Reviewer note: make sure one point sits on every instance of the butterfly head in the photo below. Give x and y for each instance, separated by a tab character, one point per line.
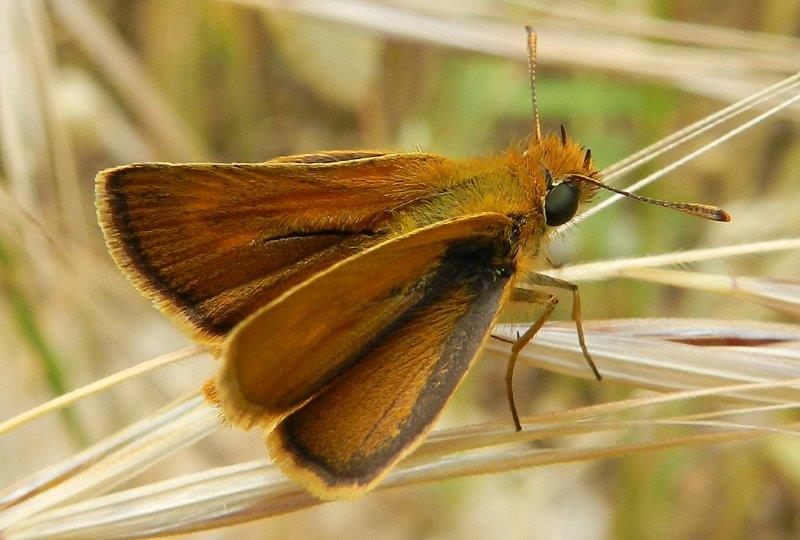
555	164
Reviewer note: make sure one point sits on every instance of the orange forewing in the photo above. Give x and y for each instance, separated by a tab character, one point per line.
211	243
361	359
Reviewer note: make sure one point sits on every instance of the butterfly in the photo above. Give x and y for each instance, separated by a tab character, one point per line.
347	293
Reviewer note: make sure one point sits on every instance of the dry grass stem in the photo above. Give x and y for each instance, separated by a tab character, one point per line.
60	160
600	270
778	294
111	461
668	354
99	385
131	80
720	73
652	151
253	490
247	491
649	179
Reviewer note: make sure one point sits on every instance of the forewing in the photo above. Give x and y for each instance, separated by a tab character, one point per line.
414	287
343	441
211	243
368	353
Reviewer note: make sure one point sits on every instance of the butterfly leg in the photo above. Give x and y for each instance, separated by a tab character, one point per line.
529	297
541	280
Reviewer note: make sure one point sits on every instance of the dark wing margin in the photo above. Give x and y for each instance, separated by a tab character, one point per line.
211	243
357	404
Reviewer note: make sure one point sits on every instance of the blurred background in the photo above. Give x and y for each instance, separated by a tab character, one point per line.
86	85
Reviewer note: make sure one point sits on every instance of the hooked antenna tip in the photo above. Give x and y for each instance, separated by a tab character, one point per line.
722	215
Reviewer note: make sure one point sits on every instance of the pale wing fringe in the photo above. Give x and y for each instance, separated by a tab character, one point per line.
70	260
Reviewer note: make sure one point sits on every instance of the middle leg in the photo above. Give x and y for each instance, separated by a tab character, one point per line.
528	297
542	280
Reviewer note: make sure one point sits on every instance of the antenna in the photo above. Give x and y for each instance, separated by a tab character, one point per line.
537	130
699	210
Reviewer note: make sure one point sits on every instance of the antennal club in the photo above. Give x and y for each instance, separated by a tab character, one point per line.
699	210
537	130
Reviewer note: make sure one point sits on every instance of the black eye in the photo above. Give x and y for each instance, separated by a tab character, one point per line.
561	204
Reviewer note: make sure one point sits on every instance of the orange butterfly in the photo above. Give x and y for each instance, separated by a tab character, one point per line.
347	293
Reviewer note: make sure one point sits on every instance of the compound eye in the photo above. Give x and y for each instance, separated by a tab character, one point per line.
561	204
